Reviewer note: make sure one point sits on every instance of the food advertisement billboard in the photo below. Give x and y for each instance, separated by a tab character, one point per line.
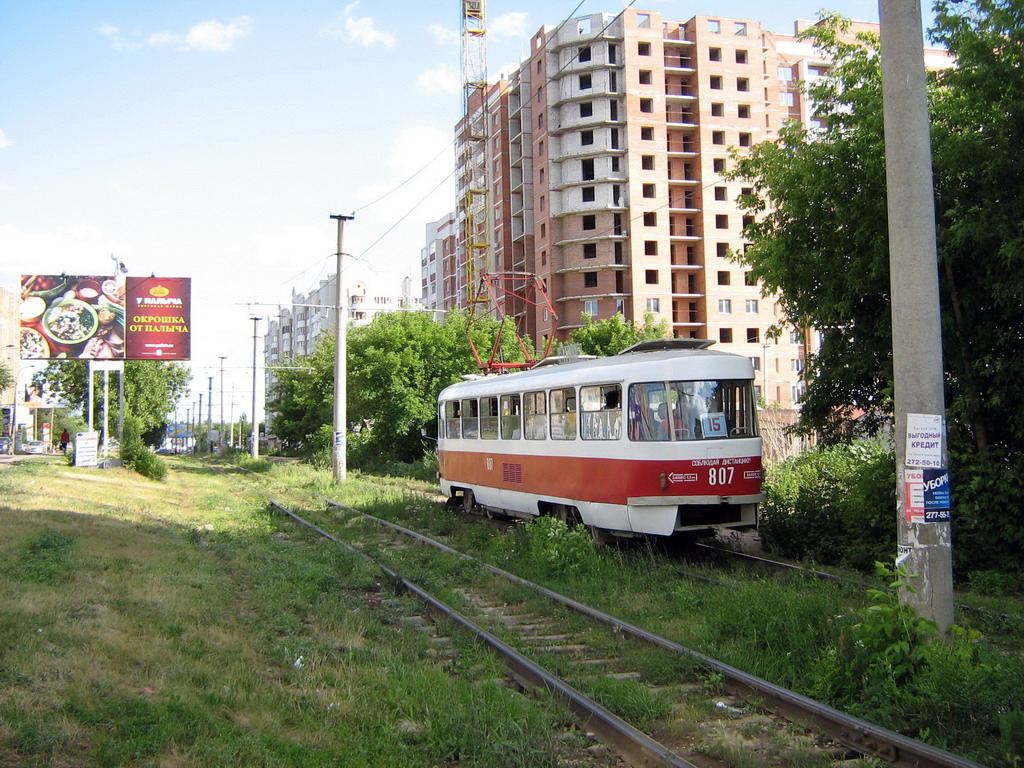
86	317
158	318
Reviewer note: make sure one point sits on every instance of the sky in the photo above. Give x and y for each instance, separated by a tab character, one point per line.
214	139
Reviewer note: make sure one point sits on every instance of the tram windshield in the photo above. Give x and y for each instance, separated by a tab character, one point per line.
691	410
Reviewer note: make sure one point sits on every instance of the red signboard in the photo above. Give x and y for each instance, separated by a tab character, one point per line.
96	317
157	318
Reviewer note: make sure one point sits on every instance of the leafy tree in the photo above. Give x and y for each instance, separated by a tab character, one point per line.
821	241
397	365
151	388
6	378
614	334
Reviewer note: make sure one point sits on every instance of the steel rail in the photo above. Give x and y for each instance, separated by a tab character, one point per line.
853	732
634	746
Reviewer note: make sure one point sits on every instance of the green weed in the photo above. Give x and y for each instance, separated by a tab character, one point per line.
44	557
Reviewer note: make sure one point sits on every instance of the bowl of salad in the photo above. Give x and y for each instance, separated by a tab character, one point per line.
70	322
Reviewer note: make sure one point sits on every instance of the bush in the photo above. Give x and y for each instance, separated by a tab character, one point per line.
835	505
136	455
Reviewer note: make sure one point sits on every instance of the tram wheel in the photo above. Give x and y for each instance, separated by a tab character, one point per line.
468	502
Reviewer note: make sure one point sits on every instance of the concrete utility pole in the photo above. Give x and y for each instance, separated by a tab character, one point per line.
199	421
209	413
921	458
254	448
220	441
340	373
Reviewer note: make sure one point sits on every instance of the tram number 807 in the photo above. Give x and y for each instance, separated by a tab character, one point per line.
720	475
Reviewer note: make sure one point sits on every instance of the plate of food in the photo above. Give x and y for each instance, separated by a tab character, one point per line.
70	322
33	345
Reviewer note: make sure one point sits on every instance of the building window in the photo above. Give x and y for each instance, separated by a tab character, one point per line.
725	335
647	105
654	305
714	26
796	337
543	258
586	82
739	28
742	83
717	109
615	164
755	363
586	108
753	336
586	137
721	221
613	109
650	219
590	307
741	56
587	168
540	119
543	230
583	53
725	306
647	162
649	190
590	279
613	83
715	54
747	221
745	139
796	365
718	137
748	278
724	278
722	250
721	193
718	164
751	306
542	203
743	111
540	176
612	53
540	149
787	98
643	20
643	49
590	250
590	221
588	194
651	276
647	133
614	135
786	74
716	82
646	77
650	247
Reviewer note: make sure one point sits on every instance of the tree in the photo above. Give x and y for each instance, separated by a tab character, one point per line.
6	377
614	334
821	241
151	388
397	365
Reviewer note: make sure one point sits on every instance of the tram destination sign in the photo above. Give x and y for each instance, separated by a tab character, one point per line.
100	317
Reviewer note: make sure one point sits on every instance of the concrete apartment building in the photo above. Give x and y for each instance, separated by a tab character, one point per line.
606	154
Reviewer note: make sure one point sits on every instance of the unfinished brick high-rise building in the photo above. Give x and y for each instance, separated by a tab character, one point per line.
607	152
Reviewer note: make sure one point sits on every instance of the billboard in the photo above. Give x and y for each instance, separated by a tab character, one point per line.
158	318
87	317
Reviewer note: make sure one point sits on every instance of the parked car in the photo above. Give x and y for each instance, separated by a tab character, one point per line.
33	446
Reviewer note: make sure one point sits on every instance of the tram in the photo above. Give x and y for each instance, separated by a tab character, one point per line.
659	439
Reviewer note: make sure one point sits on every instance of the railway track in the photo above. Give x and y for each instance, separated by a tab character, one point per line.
542	650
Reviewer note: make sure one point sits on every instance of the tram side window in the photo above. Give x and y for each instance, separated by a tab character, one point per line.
601	412
470	419
536	415
489	418
511	417
649	412
563	414
452	420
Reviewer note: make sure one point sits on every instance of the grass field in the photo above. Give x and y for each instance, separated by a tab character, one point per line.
172	624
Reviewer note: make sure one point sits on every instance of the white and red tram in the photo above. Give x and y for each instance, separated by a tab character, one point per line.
660	438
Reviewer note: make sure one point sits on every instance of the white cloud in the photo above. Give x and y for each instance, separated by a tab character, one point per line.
443	35
444	78
509	25
4	141
209	35
214	36
358	30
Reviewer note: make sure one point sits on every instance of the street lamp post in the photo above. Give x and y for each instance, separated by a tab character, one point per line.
255	437
221	436
340	339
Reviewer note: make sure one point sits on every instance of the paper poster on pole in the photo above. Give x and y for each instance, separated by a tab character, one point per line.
924	440
86	448
913	495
